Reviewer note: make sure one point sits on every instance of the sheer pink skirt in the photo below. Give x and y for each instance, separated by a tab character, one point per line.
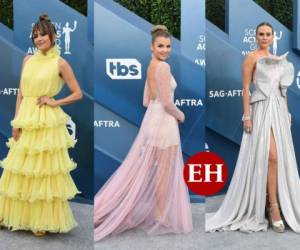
147	191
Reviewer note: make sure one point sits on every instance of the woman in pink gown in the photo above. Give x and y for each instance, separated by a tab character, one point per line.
148	191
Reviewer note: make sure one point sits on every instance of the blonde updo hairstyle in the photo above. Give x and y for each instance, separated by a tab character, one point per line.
159	31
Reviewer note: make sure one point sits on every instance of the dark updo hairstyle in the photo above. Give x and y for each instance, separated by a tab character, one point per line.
264	24
159	30
45	27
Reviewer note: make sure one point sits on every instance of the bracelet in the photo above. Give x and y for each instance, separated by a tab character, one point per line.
246	118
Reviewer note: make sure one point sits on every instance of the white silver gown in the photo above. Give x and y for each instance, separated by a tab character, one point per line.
244	205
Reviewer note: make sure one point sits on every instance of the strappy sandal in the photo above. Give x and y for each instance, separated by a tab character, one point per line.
277	226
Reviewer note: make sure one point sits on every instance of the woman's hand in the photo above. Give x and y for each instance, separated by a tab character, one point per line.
182	118
16	133
46	100
248	126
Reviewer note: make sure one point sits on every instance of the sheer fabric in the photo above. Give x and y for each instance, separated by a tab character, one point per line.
148	191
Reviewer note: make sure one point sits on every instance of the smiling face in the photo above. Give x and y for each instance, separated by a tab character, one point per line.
42	40
264	36
161	48
43	34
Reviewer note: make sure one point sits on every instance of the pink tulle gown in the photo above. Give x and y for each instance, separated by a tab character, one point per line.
148	191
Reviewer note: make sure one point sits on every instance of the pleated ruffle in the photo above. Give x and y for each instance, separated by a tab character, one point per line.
30	189
54	216
39	165
31	116
36	184
49	139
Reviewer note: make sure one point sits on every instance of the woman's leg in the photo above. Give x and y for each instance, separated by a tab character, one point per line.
272	180
166	165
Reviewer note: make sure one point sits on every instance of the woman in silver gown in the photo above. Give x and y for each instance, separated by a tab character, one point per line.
266	176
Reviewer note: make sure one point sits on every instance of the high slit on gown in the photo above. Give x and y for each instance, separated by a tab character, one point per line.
148	191
244	205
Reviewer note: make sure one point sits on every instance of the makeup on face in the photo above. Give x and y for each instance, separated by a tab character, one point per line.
264	36
162	45
268	34
36	34
41	40
161	48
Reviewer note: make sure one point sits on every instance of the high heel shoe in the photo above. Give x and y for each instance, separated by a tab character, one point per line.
277	226
39	233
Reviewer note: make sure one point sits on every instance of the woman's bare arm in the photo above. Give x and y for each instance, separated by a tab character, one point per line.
69	78
67	74
247	69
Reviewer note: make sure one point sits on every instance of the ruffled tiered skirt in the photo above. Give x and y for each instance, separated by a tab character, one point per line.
35	184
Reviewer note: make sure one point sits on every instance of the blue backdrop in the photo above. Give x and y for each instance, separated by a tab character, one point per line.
14	44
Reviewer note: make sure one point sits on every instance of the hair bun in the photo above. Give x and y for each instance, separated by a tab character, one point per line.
44	17
158	28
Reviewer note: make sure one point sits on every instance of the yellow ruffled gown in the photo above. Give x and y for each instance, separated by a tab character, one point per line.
35	184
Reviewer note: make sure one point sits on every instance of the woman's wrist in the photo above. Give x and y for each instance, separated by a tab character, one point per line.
56	103
246	117
290	116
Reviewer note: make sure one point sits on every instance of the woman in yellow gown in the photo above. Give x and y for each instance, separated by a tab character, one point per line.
35	184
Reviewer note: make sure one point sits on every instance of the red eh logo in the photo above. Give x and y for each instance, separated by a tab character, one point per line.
205	173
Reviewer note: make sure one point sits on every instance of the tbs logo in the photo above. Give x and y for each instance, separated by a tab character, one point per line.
121	69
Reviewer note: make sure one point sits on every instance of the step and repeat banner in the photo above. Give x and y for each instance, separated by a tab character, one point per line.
72	39
225	54
122	53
